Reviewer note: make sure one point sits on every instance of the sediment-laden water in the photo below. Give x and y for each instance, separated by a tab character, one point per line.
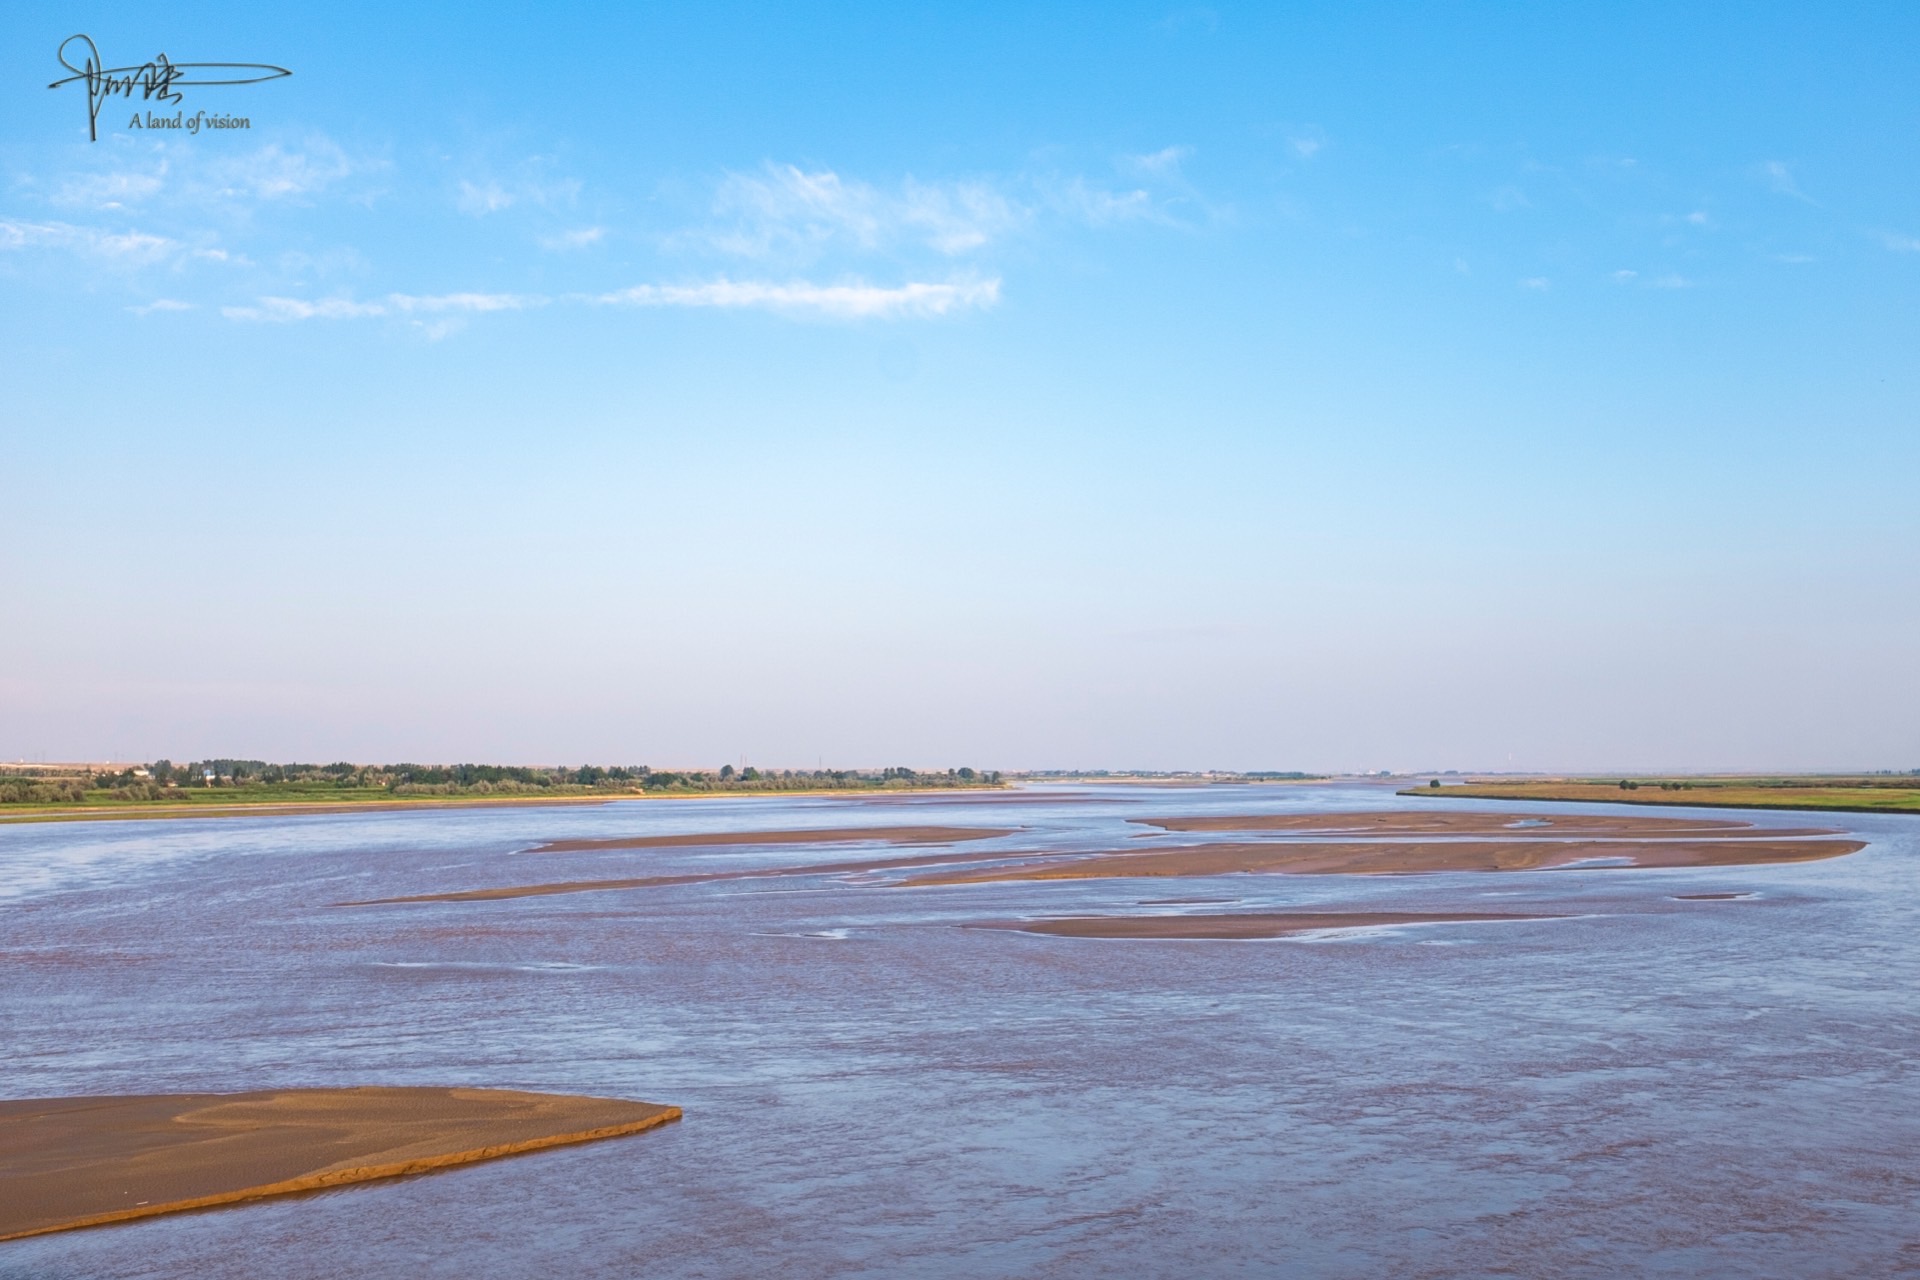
1659	1082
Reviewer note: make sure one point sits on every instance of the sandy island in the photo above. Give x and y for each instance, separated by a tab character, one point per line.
1525	825
1401	858
79	1162
804	835
691	877
1384	843
1240	925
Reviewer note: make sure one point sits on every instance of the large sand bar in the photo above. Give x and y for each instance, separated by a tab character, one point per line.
1400	858
80	1162
1384	843
804	835
691	877
1241	925
1526	825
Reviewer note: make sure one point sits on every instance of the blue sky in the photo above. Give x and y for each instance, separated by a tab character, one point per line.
1309	386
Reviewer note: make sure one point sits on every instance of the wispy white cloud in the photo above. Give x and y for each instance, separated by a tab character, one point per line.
846	301
470	302
1538	283
1670	280
853	300
1781	182
274	172
1162	163
114	189
787	211
161	304
286	310
481	198
1099	207
579	238
492	195
132	248
1900	243
1508	198
1307	142
190	180
1191	18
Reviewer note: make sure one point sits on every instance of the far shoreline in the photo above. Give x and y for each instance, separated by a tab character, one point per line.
295	808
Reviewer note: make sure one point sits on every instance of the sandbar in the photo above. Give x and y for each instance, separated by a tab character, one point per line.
1383	843
84	1161
1400	858
806	835
1525	825
1241	924
695	877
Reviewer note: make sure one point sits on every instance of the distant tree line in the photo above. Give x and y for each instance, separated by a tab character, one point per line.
261	780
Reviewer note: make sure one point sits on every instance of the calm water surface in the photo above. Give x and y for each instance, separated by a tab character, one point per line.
1652	1087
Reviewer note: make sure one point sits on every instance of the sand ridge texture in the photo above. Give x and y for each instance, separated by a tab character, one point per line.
1243	925
83	1161
1401	858
690	877
1522	826
804	835
1383	843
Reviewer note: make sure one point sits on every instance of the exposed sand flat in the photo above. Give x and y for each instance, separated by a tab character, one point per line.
1241	925
976	796
1398	858
1524	825
813	835
1433	842
702	877
79	1162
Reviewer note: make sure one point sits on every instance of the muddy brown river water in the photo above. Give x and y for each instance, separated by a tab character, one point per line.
1684	1072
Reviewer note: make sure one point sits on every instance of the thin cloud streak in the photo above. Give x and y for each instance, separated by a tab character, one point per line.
788	210
134	247
850	301
285	310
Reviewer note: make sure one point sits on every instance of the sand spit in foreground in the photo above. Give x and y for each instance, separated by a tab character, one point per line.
84	1161
1241	925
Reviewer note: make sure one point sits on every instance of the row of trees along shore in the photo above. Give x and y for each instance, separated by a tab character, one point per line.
259	780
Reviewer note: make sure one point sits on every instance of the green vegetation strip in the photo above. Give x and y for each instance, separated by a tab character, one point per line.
1893	793
208	788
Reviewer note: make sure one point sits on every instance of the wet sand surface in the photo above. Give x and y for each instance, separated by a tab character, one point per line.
1240	925
1647	1086
1729	844
657	882
1533	825
86	1161
1397	858
804	835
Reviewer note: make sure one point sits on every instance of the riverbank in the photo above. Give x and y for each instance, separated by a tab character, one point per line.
1814	793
